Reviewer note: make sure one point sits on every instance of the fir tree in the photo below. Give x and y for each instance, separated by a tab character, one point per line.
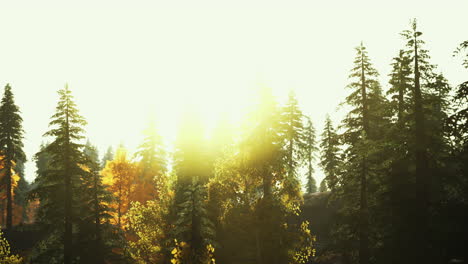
296	148
330	148
421	97
310	149
152	165
58	184
357	135
108	156
11	145
193	225
96	234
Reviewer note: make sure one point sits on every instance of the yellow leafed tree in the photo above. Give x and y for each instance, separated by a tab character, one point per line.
119	175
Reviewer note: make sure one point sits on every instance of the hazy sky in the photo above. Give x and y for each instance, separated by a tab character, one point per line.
125	60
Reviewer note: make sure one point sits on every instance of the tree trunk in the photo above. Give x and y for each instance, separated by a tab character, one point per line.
9	211
422	172
68	236
363	210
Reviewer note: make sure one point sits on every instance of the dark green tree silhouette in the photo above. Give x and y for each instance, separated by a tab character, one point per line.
330	153
96	236
58	185
11	145
360	129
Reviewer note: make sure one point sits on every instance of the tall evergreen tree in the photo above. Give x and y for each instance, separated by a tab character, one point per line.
296	148
95	233
151	165
193	168
330	158
310	150
57	186
11	145
108	156
399	179
357	135
422	97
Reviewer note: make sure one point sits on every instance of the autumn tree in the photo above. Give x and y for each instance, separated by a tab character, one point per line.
11	145
119	175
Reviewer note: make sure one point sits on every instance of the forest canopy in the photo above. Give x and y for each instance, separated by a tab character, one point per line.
385	183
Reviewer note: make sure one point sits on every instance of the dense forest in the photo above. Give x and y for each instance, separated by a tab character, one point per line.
395	191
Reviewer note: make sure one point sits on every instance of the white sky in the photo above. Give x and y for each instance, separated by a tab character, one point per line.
126	59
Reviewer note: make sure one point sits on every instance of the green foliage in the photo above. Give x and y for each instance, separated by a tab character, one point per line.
330	153
11	145
310	144
108	156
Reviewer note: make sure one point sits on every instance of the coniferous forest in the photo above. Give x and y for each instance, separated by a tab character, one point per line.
395	188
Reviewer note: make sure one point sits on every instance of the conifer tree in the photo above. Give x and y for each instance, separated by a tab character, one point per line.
310	145
151	166
330	148
296	148
95	231
193	225
108	156
419	57
427	103
357	135
193	168
257	196
11	145
57	186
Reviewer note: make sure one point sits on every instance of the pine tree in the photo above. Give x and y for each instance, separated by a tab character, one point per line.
57	186
330	158
94	230
108	156
399	180
151	166
357	135
257	196
310	149
193	169
296	148
11	145
422	75
193	225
